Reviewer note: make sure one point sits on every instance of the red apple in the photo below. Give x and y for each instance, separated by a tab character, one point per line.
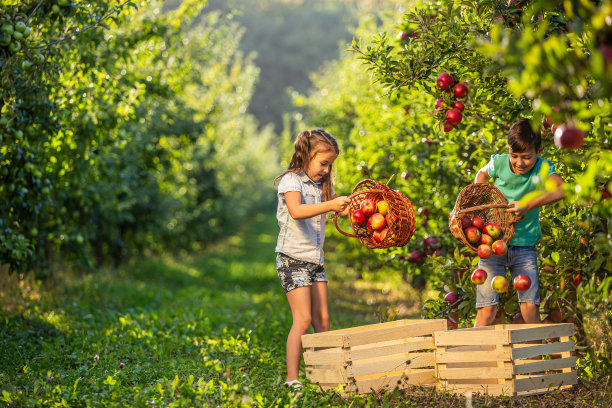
568	137
458	105
382	207
368	207
379	236
461	90
377	221
477	222
556	315
466	221
406	175
444	80
499	248
522	282
452	321
473	235
402	35
606	51
546	123
431	243
486	240
479	276
453	116
358	217
518	319
416	257
499	284
451	297
439	103
447	126
484	251
492	229
577	279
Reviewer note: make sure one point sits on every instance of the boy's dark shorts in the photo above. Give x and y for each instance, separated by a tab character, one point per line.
294	273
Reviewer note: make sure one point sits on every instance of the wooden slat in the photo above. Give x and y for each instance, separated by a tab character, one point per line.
337	376
475	373
491	389
377	326
473	356
541	349
391	333
541	333
396	381
545	365
476	364
407	361
327	339
526	393
551	381
389	348
467	337
336	356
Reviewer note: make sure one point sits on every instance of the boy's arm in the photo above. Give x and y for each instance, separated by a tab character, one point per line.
547	198
483	175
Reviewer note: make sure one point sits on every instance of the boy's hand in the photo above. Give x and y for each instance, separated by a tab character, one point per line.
516	210
339	204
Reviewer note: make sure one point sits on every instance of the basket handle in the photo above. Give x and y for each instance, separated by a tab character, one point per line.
355	194
514	219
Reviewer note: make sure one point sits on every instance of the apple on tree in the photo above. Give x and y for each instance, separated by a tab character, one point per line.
444	81
461	90
453	117
452	298
458	105
567	137
452	321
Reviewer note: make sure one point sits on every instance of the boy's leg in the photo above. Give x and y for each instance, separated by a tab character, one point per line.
486	297
530	313
485	316
319	310
524	260
299	302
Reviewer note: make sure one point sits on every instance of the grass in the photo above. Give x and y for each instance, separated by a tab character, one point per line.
202	330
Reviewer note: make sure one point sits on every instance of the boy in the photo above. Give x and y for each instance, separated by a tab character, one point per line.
514	176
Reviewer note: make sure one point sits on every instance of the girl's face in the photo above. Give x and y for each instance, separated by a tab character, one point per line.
523	162
320	165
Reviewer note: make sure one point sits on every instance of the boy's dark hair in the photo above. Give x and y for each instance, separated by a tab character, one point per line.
521	137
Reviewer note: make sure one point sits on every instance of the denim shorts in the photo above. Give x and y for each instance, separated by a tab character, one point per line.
294	273
519	260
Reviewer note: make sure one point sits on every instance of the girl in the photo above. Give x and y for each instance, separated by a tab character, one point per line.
305	195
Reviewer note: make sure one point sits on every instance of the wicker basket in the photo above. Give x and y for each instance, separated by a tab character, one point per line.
487	202
401	221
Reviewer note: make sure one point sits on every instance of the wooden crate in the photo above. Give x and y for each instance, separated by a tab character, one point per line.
375	357
506	359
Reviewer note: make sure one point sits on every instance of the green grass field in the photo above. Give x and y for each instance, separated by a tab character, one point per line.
199	330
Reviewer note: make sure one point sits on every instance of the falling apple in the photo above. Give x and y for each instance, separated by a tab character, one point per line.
522	283
499	248
486	240
499	284
484	251
479	276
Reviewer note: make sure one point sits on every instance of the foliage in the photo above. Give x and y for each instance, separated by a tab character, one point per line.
116	123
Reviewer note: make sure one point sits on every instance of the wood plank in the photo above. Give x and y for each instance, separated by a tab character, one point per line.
395	347
541	333
391	333
326	339
334	376
377	326
469	337
336	357
490	389
396	381
541	349
474	356
481	347
407	361
544	365
551	381
526	393
476	364
475	373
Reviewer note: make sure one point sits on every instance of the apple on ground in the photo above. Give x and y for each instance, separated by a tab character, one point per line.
484	251
466	221
492	229
499	284
479	276
477	222
377	221
358	217
382	207
368	207
499	248
473	235
486	240
522	282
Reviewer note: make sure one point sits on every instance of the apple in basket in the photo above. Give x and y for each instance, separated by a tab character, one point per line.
466	221
377	221
499	248
486	240
368	207
479	276
492	229
484	251
382	207
499	284
358	217
379	236
473	235
477	222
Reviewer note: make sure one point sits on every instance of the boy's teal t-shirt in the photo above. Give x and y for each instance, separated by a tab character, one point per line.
514	186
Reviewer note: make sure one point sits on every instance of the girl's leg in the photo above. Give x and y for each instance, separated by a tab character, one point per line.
319	311
299	302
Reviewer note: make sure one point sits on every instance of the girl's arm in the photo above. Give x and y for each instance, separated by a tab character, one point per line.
548	198
299	211
344	212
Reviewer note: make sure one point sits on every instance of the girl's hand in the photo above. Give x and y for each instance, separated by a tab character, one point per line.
516	210
339	204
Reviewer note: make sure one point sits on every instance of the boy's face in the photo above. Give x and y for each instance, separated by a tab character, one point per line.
523	162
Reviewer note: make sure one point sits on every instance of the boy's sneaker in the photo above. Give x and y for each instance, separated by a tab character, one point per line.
296	384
